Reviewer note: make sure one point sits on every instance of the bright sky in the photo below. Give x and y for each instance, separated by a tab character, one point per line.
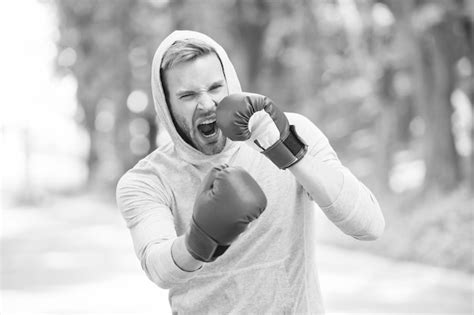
37	107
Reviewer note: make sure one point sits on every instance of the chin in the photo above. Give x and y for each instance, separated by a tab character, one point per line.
215	148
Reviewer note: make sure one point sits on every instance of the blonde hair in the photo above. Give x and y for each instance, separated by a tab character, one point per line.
185	50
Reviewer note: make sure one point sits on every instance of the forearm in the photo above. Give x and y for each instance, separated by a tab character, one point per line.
169	263
286	140
181	256
322	182
344	199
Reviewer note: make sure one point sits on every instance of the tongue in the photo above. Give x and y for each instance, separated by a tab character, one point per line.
207	129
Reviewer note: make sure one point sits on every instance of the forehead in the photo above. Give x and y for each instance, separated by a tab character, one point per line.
194	74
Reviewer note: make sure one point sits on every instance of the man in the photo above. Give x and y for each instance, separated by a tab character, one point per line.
229	225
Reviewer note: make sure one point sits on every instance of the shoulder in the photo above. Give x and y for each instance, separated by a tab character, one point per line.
147	178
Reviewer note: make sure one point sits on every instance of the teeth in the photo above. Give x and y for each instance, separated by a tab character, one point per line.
208	121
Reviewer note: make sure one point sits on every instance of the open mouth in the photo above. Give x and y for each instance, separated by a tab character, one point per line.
208	128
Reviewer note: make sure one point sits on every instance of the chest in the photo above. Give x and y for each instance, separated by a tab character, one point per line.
279	187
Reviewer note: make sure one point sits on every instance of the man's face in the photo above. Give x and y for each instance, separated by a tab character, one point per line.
194	89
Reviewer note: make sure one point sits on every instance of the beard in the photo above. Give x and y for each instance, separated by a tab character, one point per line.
195	138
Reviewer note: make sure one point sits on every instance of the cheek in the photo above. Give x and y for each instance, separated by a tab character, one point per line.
184	125
186	113
183	114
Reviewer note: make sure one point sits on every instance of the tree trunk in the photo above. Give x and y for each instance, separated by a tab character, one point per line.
468	26
252	20
436	78
153	133
386	127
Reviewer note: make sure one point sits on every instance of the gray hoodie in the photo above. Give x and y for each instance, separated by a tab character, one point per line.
271	267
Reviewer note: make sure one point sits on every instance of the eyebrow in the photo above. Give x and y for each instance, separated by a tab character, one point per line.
184	92
181	93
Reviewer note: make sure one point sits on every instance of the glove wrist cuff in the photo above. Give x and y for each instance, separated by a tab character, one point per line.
200	245
286	152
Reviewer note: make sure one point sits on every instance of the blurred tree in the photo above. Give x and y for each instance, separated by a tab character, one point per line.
435	42
370	43
249	25
467	22
355	67
112	41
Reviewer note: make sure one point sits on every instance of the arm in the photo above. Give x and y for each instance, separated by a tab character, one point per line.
347	202
182	257
305	151
227	201
146	211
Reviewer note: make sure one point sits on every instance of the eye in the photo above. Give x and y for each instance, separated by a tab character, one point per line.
186	96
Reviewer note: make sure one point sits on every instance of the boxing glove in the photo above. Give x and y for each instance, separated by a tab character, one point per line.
227	201
254	117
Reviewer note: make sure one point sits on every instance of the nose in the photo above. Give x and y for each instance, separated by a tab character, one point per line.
206	103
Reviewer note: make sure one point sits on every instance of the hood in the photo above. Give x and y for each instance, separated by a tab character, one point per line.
183	149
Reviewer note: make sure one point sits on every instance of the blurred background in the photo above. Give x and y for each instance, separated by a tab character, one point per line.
389	82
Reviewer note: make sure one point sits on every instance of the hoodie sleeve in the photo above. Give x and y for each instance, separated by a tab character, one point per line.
144	204
353	209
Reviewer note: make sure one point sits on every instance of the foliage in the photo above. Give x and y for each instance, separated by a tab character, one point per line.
435	229
377	77
347	65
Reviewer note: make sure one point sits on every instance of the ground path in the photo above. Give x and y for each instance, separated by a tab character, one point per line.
74	256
